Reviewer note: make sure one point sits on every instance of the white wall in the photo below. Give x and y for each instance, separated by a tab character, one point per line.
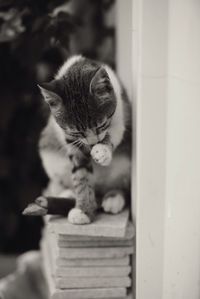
124	58
124	43
159	49
167	41
150	41
182	219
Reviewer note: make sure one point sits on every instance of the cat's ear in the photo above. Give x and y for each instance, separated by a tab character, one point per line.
49	92
100	85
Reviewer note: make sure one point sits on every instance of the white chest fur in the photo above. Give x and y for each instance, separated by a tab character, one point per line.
117	125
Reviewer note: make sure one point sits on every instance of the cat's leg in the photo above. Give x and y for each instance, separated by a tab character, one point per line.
86	205
60	204
113	201
53	205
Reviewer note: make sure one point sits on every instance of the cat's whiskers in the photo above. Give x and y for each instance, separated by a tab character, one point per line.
77	143
81	143
74	144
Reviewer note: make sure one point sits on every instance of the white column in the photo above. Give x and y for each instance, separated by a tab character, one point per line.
164	38
167	38
182	219
124	43
151	47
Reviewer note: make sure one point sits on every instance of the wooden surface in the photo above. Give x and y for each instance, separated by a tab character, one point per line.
129	235
93	271
88	261
92	282
80	293
105	225
124	261
89	266
92	253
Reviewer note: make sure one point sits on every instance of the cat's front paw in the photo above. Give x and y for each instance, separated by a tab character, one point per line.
77	216
113	202
101	154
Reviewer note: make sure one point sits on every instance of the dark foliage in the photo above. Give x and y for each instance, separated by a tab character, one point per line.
35	37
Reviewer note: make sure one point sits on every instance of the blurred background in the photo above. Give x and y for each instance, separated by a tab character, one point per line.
36	36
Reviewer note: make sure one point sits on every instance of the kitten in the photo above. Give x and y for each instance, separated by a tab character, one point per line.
86	144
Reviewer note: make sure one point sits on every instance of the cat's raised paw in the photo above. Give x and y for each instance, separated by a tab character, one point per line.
113	202
76	216
101	154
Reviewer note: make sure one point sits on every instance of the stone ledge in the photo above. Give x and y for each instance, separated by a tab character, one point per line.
105	225
124	261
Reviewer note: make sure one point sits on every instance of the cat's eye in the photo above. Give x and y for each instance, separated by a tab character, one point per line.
77	134
103	126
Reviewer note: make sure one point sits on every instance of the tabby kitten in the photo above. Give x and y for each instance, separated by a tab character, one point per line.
86	144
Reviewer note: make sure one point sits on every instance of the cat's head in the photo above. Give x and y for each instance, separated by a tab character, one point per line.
82	102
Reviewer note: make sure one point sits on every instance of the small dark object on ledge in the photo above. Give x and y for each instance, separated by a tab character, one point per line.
49	205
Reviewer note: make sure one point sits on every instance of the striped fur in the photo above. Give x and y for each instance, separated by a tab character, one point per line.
76	159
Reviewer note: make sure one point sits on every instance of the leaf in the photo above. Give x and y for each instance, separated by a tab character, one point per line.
40	23
56	3
59	29
12	26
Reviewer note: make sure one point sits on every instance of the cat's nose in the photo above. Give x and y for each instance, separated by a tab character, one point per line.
92	140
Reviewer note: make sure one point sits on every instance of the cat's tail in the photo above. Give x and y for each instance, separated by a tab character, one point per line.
44	205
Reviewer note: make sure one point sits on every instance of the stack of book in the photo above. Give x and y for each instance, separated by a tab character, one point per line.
88	261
